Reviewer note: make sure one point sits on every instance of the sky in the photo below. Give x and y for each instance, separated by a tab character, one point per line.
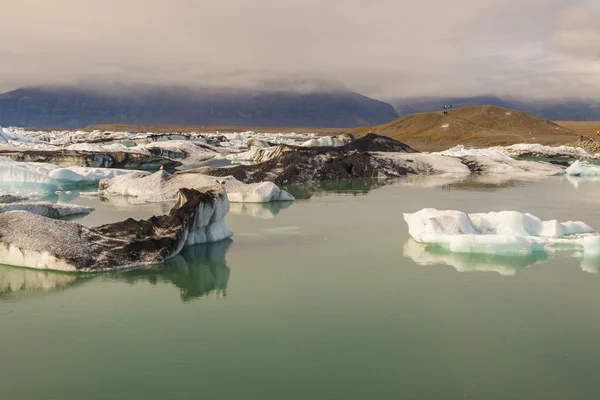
381	48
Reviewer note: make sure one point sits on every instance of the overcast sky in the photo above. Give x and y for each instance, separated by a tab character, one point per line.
382	48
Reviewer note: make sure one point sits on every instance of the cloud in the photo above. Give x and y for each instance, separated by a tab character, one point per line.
383	48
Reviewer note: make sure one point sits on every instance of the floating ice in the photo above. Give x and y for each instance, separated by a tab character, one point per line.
539	150
88	174
461	151
582	168
328	141
46	209
162	187
35	241
505	232
19	178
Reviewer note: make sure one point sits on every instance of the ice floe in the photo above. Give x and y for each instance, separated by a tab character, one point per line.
162	187
34	241
582	168
19	178
47	209
505	232
542	151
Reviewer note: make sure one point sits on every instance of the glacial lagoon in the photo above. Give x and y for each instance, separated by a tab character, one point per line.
323	298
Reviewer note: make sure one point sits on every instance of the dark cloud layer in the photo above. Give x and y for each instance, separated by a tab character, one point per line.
384	48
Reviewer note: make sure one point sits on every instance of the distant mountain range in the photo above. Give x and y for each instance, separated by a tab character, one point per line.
567	110
75	107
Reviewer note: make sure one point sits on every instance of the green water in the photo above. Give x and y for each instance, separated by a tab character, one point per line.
318	302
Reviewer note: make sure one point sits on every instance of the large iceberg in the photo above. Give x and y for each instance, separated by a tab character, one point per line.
505	232
162	187
33	241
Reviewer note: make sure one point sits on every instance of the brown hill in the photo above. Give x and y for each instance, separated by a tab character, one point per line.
477	126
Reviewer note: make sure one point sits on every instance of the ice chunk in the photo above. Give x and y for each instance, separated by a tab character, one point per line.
506	232
17	177
462	151
162	187
88	174
34	241
582	168
47	209
539	150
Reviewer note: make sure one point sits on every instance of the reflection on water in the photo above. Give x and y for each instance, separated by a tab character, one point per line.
16	281
427	254
353	187
259	210
197	271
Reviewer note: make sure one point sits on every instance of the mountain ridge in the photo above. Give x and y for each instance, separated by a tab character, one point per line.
77	107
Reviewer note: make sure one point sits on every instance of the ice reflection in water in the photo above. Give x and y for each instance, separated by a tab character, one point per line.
507	265
197	271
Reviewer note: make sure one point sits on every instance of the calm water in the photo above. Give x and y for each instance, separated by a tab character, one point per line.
325	298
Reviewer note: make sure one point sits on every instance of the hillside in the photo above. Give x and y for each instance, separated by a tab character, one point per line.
477	126
555	110
74	107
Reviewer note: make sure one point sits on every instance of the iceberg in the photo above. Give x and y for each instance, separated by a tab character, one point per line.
47	209
461	151
505	232
34	241
42	179
88	174
162	187
584	169
539	150
19	178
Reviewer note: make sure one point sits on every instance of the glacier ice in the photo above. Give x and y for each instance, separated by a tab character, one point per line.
47	209
34	241
19	178
582	168
505	232
162	187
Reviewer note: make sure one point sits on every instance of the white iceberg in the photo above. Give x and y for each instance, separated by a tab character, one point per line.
462	151
505	232
41	178
328	141
582	168
539	150
88	174
163	187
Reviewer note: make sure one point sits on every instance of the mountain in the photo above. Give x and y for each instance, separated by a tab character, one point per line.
566	110
479	126
75	107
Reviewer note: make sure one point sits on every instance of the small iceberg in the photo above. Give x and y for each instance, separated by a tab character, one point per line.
505	232
584	169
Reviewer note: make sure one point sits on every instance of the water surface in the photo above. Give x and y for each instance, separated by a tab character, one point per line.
326	298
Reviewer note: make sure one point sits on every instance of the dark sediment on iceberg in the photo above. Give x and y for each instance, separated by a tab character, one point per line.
296	164
34	241
71	158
